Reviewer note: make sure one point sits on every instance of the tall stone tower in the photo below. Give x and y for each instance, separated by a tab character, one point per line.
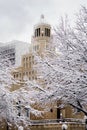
41	36
39	42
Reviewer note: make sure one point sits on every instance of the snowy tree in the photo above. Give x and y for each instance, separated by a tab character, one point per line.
16	105
64	65
62	75
6	80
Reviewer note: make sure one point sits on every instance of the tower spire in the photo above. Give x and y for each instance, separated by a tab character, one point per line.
42	18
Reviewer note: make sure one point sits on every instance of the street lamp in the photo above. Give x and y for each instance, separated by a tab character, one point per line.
64	126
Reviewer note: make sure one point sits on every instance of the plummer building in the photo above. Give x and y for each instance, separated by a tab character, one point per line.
40	41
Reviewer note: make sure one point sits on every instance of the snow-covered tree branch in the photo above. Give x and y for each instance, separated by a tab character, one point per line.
16	105
64	68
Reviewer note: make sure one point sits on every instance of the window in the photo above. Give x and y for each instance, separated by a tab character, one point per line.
24	59
33	78
26	65
30	58
33	72
36	47
30	64
29	72
37	32
16	75
20	74
47	32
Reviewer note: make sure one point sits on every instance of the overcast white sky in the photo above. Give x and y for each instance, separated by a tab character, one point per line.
17	17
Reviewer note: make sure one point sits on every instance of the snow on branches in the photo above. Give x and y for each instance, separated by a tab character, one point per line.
17	104
64	68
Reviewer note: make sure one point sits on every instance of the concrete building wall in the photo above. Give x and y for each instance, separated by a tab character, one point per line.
14	50
8	52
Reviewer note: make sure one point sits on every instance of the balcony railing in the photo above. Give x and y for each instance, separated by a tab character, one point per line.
55	121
